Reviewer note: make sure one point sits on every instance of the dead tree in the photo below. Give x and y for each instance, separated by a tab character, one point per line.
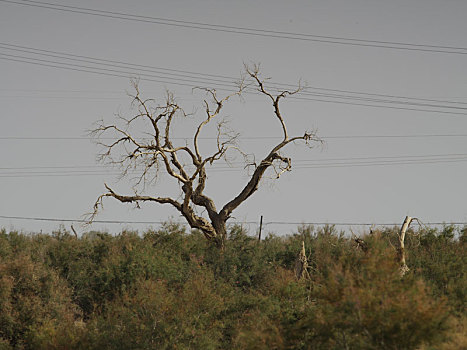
185	163
301	265
401	253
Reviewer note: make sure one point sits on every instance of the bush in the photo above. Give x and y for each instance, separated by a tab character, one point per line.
36	304
171	289
363	303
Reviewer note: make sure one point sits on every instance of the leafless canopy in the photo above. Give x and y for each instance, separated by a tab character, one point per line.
185	163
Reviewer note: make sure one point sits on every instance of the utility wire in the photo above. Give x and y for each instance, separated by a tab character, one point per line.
295	161
356	224
190	82
246	30
182	79
108	71
236	222
74	138
222	169
102	60
79	220
377	106
222	79
119	64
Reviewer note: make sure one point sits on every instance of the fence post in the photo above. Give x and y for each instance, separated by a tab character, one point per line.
260	228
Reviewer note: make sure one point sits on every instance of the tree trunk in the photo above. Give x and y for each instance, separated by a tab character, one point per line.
401	250
221	232
301	266
186	164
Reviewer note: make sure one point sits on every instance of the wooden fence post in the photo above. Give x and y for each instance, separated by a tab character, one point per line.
260	228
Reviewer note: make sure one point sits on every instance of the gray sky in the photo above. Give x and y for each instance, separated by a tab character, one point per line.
419	176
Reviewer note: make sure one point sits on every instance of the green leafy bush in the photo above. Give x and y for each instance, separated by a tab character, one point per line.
167	289
35	304
363	303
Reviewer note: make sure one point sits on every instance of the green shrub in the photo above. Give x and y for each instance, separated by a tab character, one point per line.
367	305
169	289
35	304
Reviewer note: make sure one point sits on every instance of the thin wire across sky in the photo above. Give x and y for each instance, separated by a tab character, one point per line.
160	222
349	162
430	48
106	66
61	60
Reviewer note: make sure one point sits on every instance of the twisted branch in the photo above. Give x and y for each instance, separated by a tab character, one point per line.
147	154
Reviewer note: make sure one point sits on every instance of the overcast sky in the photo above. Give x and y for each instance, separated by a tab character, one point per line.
402	74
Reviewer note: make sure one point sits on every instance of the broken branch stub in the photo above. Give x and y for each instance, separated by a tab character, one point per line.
301	265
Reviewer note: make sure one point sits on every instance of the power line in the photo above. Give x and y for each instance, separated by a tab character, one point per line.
94	65
377	106
107	71
236	222
357	223
62	90
381	163
218	78
120	92
245	30
102	60
189	83
299	161
73	138
222	79
66	171
115	63
79	220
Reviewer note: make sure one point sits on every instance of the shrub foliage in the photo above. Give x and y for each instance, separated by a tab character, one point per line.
169	289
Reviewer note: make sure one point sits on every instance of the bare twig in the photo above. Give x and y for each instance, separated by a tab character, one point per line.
186	164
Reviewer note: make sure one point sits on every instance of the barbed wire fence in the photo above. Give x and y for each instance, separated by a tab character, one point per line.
251	227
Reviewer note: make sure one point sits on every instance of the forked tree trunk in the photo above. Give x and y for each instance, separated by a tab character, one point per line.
187	164
221	231
401	249
301	266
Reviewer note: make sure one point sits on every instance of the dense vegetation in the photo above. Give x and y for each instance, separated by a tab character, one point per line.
168	289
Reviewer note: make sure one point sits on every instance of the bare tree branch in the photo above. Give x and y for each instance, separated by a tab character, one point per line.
188	165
